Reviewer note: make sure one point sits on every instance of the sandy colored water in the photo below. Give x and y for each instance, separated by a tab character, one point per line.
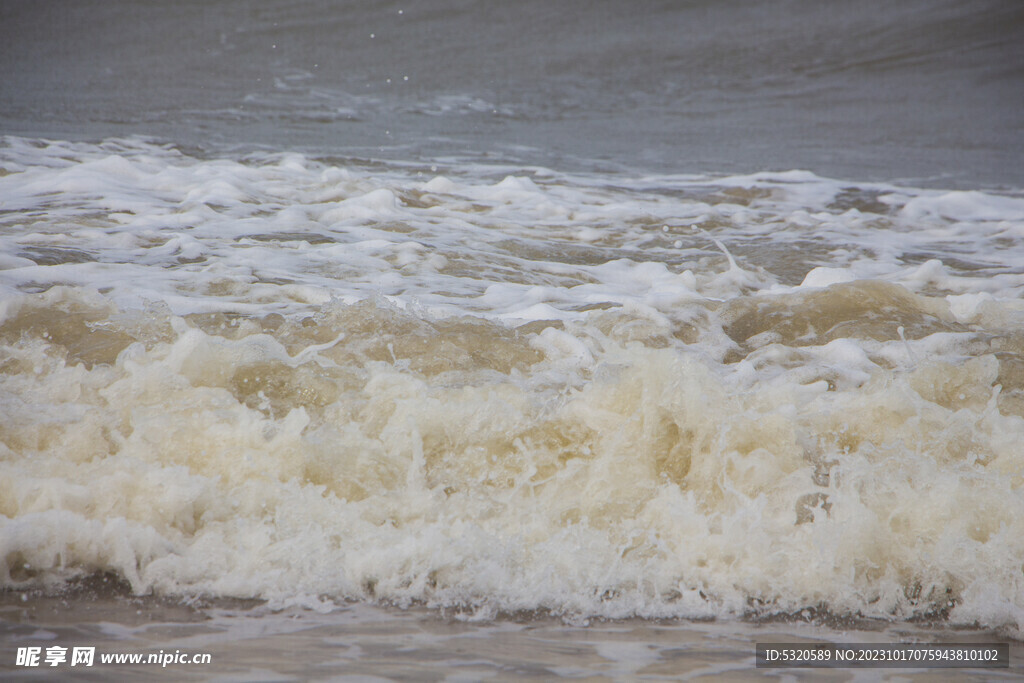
681	311
358	641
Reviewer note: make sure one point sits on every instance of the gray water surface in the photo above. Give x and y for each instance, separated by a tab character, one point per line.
922	91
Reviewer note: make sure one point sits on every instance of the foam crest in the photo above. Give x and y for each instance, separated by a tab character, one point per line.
656	483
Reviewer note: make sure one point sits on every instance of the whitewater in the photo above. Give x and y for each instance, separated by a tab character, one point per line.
504	390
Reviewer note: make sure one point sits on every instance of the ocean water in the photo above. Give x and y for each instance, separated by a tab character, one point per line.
607	338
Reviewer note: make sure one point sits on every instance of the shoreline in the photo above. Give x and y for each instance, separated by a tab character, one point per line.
246	638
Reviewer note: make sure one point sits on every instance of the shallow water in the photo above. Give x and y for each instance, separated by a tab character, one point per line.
364	642
578	344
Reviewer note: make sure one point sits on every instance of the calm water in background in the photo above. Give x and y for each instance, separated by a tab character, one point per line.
698	323
870	91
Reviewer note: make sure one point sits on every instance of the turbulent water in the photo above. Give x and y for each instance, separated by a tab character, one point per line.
280	378
497	384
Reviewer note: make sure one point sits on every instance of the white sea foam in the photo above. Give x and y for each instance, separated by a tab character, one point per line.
597	395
